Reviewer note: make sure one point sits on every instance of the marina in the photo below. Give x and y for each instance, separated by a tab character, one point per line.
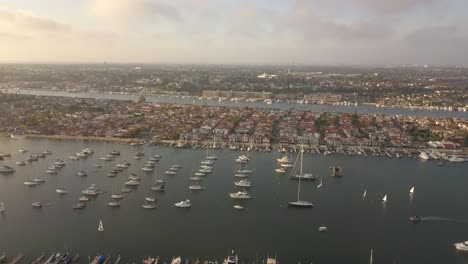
341	213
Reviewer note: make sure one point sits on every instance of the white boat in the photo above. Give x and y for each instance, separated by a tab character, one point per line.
61	191
212	157
241	175
93	190
38	179
238	207
286	165
231	259
20	163
82	173
124	165
132	183
280	170
149	206
384	199
101	226
37	204
169	172
22	150
300	203
84	199
177	260
114	204
245	171
30	183
240	195
411	191
134	177
207	162
6	169
208	167
117	196
364	194
463	246
173	169
2	207
205	171
183	204
323	228
423	156
52	171
196	187
150	199
125	190
196	178
456	159
283	159
177	166
199	174
147	168
243	183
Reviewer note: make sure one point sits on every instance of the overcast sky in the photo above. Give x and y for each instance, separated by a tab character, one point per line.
235	31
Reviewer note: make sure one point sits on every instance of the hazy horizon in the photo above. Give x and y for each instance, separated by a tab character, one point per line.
259	32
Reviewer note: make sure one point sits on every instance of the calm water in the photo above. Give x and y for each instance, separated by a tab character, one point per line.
368	109
212	226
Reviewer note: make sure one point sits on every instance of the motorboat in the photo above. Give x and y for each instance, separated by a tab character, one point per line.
133	176
124	165
462	246
125	190
280	170
150	199
323	229
159	187
423	156
37	204
238	207
132	183
196	187
79	206
38	180
84	199
6	169
147	168
231	259
196	178
283	159
240	195
20	163
61	191
415	219
117	196
183	204
115	153
169	172
149	206
30	183
207	162
114	204
243	183
82	173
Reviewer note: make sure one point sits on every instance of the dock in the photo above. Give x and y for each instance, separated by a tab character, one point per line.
16	259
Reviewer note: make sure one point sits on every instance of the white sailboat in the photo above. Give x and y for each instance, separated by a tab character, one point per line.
300	203
364	194
321	184
384	200
2	207
101	226
371	257
302	175
411	192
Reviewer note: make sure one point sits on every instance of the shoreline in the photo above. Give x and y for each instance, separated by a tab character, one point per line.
85	138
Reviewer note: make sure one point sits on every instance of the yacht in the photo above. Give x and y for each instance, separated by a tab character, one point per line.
61	191
6	169
147	168
305	176
115	153
132	183
37	204
462	246
183	204
150	199
149	206
59	163
207	162
243	183
199	174
30	183
423	156
177	166
169	172
323	229
84	199
208	167
107	158
117	196
92	190
124	165
173	169
205	171
133	176
241	175
196	178
158	187
20	163
52	171
212	157
283	159
38	179
240	195
456	159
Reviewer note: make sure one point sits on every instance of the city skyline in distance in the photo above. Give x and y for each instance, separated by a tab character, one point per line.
355	32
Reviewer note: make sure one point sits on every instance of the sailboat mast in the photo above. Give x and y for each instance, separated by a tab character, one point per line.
302	157
298	189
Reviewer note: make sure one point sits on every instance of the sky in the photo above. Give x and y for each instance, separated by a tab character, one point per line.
331	32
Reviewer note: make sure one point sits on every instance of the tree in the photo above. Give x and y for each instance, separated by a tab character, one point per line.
141	99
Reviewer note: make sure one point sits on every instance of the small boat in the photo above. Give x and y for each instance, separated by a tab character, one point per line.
150	199
6	169
177	260
196	187
283	159
173	169
463	246
115	153
22	150
83	199
286	165
199	174
2	209
238	207
207	162
82	173
101	226
240	195
196	178
79	206
20	163
61	191
321	184
364	194
323	229
159	188
114	204
38	180
169	172
411	191
177	166
117	196
133	176
37	204
243	183
384	199
125	190
149	206
280	170
231	259
211	157
245	171
132	183
183	204
30	183
241	175
415	219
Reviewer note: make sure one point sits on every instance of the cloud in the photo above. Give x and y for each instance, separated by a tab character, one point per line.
390	6
25	22
132	9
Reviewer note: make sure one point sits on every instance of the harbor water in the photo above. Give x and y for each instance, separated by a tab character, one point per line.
212	227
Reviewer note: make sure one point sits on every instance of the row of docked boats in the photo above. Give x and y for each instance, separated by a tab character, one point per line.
242	181
424	156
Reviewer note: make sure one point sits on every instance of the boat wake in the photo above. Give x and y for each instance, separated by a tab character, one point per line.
432	218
